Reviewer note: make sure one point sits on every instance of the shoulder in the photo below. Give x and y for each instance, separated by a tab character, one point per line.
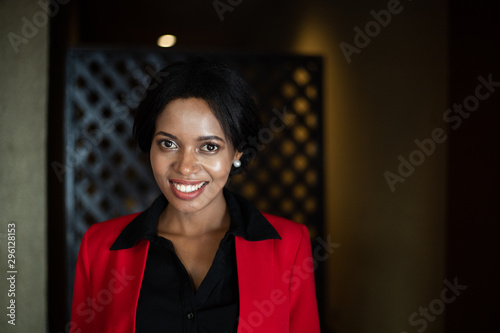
287	229
106	232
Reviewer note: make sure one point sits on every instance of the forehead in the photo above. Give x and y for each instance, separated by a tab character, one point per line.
189	116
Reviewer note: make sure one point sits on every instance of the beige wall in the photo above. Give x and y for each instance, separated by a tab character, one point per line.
23	132
391	261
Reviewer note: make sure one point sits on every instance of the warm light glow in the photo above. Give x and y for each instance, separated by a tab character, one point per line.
166	41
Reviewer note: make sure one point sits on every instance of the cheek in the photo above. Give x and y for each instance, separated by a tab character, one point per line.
158	165
219	168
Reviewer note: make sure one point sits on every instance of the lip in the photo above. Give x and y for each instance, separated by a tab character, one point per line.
190	195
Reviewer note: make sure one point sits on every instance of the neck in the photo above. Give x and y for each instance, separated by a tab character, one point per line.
214	217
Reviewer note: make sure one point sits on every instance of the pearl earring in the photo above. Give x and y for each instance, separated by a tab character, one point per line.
237	163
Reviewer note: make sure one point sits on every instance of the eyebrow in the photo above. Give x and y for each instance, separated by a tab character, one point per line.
210	137
167	135
200	138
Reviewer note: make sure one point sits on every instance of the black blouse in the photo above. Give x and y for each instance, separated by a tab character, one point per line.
168	301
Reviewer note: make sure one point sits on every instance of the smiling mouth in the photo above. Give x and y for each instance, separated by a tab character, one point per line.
188	188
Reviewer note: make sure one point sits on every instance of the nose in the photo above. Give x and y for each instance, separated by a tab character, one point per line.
187	163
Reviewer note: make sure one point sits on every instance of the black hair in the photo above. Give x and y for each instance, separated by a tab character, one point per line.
225	92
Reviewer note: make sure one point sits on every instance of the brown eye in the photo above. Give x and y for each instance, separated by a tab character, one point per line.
211	148
167	144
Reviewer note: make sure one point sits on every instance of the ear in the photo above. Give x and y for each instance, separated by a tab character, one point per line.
237	155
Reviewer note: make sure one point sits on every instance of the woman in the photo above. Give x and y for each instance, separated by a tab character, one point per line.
200	258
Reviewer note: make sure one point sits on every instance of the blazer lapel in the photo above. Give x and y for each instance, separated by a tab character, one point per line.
124	283
257	282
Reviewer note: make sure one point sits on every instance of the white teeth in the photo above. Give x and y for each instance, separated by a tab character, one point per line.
188	188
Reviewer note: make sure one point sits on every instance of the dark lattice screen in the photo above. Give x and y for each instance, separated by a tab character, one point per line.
106	176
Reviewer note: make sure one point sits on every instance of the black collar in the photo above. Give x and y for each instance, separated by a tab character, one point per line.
246	221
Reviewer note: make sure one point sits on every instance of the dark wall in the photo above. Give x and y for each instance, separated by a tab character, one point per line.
474	163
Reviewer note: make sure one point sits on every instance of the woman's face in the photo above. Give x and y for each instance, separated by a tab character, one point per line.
190	156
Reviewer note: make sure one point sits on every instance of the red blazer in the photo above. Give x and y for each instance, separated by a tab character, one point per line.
275	276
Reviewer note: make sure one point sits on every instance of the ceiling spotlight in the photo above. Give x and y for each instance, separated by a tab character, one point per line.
166	41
